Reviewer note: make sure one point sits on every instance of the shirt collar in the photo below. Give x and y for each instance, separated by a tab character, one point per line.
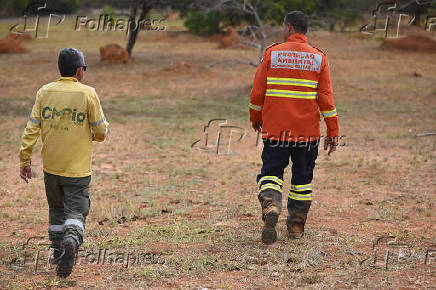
297	37
67	79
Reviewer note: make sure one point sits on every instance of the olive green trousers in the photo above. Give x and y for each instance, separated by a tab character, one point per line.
68	201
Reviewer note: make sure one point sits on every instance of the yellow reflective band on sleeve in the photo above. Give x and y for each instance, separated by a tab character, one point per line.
270	186
302	187
292	82
302	197
328	114
270	178
254	107
291	94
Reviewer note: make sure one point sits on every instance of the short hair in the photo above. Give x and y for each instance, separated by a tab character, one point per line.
69	60
298	20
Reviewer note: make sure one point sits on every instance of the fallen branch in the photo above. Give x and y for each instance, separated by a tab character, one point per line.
424	134
207	67
250	43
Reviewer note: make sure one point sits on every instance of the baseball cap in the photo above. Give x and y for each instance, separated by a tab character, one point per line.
69	60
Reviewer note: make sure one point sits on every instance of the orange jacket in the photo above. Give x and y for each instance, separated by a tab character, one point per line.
291	86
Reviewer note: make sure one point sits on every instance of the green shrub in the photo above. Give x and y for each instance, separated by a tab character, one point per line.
205	24
16	7
109	10
64	6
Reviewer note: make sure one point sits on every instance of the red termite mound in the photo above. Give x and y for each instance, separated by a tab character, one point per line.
12	43
114	52
410	43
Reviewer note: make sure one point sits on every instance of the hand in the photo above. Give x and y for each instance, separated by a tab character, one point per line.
330	144
26	173
257	126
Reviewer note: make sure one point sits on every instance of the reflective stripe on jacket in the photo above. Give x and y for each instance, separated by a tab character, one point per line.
65	113
291	86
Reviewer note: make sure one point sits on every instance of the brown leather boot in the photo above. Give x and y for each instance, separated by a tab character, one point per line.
295	229
296	220
271	207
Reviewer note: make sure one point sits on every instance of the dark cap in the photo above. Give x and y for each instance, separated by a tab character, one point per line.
69	60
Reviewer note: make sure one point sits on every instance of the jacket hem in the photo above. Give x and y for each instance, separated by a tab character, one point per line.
67	174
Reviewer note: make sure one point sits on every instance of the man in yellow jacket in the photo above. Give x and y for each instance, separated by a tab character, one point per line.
68	116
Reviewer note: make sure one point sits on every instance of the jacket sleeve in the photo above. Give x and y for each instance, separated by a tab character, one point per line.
97	120
326	102
31	133
257	95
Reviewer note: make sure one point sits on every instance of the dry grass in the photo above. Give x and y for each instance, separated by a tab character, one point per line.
195	214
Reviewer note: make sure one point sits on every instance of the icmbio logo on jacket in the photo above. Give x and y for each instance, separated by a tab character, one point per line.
64	114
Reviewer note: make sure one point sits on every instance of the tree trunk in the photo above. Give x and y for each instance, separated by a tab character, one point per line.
332	25
418	10
263	36
135	26
417	20
262	48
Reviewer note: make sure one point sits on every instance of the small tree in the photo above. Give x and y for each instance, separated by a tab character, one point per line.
144	7
205	24
263	15
417	8
248	10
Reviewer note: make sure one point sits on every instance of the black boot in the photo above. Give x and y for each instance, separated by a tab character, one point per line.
56	238
56	254
66	263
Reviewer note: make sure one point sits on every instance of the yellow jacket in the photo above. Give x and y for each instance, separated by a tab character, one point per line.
65	112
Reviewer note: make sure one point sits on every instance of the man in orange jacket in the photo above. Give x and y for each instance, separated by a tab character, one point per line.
292	84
